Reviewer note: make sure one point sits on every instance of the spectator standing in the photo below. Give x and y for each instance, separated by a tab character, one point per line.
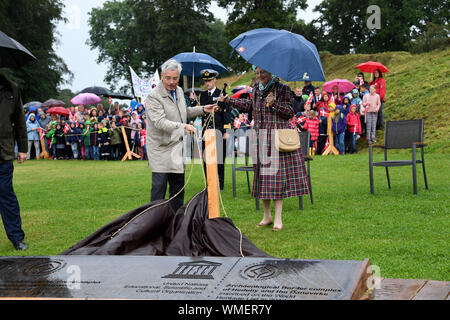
372	104
89	155
13	128
33	135
339	123
94	142
312	126
380	89
116	139
104	142
353	127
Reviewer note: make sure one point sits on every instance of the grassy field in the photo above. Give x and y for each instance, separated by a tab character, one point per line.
407	236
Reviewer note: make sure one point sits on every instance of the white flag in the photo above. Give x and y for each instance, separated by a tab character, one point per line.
142	87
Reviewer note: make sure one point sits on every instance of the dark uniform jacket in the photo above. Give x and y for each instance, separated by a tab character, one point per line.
221	118
12	121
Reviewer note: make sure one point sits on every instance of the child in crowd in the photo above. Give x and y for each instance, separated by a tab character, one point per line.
312	125
94	142
88	128
115	134
81	144
104	141
60	142
339	123
353	127
73	139
322	108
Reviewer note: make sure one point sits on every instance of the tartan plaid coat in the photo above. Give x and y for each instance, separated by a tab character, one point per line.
281	174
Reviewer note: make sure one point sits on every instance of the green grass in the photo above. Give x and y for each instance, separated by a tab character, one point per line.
407	236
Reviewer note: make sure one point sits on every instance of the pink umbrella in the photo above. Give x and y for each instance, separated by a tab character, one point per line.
85	99
343	85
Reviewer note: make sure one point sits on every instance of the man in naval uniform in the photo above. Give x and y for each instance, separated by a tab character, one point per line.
222	119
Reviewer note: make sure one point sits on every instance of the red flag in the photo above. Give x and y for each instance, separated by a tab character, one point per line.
301	119
66	128
41	134
323	113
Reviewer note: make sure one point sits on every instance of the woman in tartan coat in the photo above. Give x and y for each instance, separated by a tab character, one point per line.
278	175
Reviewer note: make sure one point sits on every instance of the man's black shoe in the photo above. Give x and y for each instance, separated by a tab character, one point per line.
20	245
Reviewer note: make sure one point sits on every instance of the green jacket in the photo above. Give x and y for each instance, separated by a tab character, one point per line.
12	121
116	135
87	134
51	134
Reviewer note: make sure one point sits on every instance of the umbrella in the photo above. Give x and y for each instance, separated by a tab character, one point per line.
120	96
371	66
100	91
53	103
239	88
243	94
12	53
85	99
58	110
194	62
343	85
35	104
285	54
196	90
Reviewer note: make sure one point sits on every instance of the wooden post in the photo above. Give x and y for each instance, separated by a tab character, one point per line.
212	174
129	152
331	147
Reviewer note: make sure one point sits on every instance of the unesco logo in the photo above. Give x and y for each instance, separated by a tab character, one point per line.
260	271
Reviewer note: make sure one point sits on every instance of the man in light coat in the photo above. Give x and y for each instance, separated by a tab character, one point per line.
166	127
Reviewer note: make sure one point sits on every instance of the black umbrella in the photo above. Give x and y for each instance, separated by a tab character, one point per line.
12	53
196	90
121	96
100	91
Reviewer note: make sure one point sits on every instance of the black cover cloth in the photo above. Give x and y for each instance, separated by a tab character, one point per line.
154	229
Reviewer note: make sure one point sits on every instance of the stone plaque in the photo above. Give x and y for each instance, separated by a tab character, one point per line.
181	278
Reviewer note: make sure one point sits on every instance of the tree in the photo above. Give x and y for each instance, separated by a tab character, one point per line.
344	23
33	24
145	33
246	15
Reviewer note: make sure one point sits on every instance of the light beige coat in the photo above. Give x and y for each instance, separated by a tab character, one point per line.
166	122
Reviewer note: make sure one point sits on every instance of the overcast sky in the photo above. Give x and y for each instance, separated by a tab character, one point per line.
81	60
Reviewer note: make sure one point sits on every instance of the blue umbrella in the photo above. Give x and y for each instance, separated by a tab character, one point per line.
35	104
285	54
194	62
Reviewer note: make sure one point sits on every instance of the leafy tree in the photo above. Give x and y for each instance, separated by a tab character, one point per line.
145	33
344	23
33	24
246	15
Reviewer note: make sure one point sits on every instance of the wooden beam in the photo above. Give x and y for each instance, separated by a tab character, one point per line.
129	152
212	176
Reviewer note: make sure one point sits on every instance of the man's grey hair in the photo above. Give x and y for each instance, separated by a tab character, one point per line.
171	65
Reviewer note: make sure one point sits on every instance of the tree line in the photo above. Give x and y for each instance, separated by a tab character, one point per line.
144	33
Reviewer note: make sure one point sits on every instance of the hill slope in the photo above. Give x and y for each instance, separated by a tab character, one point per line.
418	86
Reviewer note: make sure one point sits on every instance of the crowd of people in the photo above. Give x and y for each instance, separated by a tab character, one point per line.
353	114
88	133
93	133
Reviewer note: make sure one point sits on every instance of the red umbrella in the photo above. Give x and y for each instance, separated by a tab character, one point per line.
371	66
243	93
58	110
53	103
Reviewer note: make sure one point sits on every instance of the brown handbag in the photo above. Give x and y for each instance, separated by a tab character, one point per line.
286	140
